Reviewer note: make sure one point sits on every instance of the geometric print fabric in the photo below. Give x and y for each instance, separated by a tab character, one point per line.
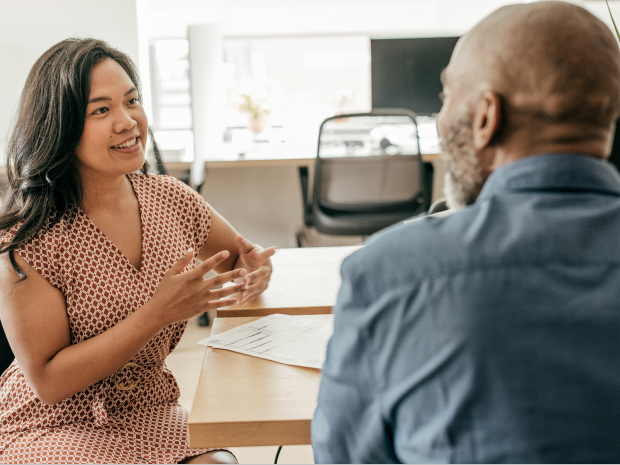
104	424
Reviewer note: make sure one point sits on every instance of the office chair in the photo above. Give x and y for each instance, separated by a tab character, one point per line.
160	168
614	157
439	205
6	354
368	174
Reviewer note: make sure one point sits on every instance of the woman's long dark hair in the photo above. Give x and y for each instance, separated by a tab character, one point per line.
44	183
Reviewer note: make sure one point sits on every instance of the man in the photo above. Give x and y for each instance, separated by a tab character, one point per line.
493	334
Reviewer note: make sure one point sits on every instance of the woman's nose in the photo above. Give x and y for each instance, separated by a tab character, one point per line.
124	122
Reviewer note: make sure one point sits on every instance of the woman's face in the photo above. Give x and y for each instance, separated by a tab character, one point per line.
115	127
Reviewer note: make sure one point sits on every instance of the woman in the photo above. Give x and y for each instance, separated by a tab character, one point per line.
97	271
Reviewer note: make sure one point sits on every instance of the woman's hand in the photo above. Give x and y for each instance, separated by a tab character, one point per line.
181	296
34	317
256	260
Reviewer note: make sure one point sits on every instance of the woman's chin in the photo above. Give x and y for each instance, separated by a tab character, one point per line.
135	164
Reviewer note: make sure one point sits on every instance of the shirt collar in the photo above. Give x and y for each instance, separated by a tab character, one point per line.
554	172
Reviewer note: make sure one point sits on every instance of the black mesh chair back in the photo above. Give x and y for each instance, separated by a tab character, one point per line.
368	173
159	164
6	354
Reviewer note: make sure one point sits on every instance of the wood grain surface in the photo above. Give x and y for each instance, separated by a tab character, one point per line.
261	161
247	401
305	281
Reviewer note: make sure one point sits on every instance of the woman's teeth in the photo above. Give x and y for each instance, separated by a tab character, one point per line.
129	143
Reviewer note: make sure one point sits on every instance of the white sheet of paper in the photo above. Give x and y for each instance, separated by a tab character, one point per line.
299	340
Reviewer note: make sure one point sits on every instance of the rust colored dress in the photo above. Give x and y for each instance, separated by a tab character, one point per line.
132	416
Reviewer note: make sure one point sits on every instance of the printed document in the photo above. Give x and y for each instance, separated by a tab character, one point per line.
299	340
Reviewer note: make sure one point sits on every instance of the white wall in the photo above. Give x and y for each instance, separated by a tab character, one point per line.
164	18
29	27
377	18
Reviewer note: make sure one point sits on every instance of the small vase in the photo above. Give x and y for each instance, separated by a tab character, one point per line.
258	124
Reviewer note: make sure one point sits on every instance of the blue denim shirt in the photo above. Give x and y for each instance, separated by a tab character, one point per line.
491	335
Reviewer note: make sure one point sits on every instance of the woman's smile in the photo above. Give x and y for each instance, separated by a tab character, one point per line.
130	145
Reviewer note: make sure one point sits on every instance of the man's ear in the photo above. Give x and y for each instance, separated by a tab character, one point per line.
487	119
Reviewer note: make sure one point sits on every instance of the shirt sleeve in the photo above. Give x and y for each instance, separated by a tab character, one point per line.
42	254
202	219
348	425
200	213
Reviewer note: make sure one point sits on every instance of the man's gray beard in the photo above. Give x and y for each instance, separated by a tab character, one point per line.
464	176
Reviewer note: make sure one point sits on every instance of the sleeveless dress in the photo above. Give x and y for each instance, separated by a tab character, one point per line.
132	416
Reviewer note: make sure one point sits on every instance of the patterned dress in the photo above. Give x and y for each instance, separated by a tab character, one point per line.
132	416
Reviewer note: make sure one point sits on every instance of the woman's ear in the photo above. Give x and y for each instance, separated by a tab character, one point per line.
487	119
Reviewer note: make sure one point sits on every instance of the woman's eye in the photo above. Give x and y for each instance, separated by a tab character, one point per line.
134	101
101	111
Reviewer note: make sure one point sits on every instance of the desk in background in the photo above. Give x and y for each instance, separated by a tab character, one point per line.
305	281
261	160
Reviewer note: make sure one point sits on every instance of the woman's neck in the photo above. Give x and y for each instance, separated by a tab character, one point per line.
106	193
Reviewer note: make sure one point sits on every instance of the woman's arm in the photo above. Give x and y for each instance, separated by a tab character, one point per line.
34	317
243	254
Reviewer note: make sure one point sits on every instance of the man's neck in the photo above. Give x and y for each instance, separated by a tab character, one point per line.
529	143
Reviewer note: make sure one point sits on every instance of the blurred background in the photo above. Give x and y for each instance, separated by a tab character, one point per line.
236	79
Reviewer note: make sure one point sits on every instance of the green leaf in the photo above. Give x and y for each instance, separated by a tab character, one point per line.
612	19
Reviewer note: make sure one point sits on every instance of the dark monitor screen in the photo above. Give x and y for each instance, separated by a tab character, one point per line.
406	72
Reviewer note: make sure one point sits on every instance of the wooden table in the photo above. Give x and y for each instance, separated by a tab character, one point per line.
247	401
305	281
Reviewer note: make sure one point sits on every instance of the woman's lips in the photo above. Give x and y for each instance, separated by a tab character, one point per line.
134	148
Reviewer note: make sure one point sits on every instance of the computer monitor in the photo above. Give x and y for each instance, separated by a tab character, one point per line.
406	72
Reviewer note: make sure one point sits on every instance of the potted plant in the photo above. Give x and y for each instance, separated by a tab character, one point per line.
257	109
612	19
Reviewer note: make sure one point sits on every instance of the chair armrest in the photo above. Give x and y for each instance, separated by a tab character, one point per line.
307	206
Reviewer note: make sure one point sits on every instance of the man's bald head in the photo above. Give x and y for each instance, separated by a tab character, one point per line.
549	60
527	80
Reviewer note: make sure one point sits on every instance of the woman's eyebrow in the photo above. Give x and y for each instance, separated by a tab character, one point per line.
98	99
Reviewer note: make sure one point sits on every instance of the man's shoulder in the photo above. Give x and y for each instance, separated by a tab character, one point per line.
420	248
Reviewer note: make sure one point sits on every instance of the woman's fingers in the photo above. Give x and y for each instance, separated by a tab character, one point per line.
253	283
181	263
269	252
262	273
253	254
251	294
221	279
220	304
216	298
209	264
254	290
243	245
217	294
260	256
263	256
